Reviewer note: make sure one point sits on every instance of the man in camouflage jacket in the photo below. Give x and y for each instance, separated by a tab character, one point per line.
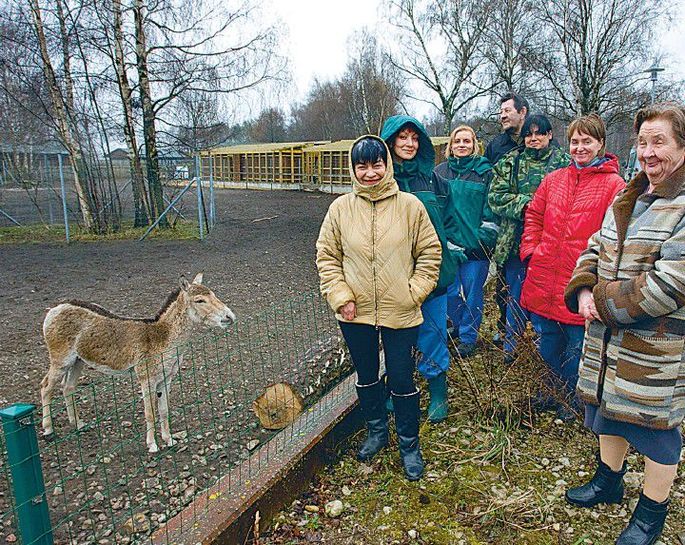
515	178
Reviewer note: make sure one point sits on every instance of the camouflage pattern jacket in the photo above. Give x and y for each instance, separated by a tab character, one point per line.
515	178
633	363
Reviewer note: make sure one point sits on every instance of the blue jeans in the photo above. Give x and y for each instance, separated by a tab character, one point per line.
432	343
560	346
465	299
517	317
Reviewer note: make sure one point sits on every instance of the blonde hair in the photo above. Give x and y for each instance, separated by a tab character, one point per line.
591	125
453	135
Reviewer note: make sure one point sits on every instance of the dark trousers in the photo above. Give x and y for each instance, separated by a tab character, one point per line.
399	346
561	346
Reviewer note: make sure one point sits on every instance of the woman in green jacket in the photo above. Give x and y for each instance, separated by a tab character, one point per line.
471	226
413	159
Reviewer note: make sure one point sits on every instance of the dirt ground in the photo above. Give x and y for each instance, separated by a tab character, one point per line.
248	264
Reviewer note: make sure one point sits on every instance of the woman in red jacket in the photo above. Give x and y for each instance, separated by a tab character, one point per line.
567	209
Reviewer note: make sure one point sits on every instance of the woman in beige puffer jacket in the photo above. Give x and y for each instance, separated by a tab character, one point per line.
378	258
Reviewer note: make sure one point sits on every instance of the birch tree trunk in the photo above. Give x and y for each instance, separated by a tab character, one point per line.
149	131
140	198
64	122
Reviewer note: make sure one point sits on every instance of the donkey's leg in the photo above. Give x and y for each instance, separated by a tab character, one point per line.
54	376
163	402
149	402
68	388
163	389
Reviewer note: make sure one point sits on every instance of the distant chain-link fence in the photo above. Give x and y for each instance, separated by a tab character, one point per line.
41	193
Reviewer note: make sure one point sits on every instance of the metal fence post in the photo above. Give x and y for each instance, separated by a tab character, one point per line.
211	191
27	474
200	205
64	196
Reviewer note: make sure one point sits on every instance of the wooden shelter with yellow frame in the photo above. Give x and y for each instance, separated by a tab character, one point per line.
327	166
256	166
321	166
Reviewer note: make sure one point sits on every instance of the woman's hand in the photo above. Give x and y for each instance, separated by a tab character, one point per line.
586	305
348	311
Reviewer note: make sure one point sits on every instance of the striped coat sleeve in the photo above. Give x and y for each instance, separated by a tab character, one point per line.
651	294
585	273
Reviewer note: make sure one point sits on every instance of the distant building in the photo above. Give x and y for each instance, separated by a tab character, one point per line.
19	162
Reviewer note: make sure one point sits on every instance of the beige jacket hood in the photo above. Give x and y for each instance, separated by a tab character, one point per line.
378	248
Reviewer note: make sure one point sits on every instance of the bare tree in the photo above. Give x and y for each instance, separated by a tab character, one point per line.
439	45
596	51
371	86
64	120
511	36
270	126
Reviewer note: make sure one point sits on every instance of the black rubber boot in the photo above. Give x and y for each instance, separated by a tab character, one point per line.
407	425
646	524
372	403
605	487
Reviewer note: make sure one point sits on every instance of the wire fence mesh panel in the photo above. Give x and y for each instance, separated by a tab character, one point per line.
228	395
33	196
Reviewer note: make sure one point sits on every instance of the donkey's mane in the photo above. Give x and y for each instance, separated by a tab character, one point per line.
97	309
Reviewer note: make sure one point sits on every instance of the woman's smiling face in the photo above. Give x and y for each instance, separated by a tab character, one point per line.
658	151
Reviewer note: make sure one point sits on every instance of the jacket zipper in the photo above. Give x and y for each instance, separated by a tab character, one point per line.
373	263
563	231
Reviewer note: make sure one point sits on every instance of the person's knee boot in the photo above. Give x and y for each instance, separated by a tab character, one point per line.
407	425
372	403
606	486
438	408
646	523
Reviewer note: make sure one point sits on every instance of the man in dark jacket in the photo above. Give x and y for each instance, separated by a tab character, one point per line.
513	112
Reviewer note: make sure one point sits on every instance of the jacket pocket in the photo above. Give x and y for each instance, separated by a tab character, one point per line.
648	369
593	363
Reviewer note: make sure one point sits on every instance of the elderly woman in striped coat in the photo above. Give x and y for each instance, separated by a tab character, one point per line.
630	287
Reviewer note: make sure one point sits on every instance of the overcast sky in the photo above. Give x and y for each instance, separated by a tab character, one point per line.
318	31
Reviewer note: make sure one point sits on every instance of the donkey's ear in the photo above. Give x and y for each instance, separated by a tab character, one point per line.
183	283
198	278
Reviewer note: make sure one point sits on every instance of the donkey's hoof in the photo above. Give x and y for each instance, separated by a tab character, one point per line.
170	442
49	437
80	425
153	448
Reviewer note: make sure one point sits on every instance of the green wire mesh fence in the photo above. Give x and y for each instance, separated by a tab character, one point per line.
101	483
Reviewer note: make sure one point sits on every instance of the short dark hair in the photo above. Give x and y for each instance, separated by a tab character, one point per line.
537	120
519	101
369	150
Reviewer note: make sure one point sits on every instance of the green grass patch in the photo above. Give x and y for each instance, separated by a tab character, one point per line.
31	234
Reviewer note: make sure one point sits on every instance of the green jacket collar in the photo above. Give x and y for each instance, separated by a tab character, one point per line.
476	163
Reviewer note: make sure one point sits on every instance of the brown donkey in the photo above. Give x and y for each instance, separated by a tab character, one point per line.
79	334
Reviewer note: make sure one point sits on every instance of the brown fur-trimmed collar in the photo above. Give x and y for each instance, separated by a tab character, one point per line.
625	203
97	309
